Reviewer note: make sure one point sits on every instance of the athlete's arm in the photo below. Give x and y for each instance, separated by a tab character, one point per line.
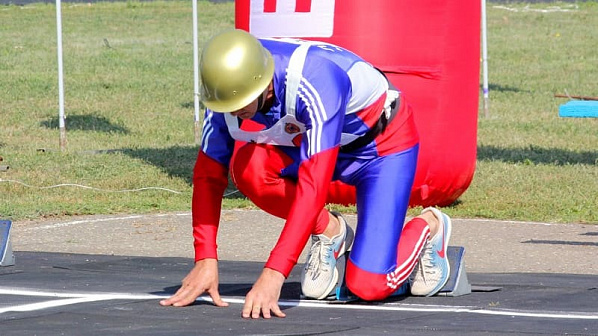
210	179
315	175
321	105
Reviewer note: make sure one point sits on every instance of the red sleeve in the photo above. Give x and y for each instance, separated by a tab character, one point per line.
313	181
210	179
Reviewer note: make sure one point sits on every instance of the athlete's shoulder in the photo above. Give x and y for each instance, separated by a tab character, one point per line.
279	45
211	117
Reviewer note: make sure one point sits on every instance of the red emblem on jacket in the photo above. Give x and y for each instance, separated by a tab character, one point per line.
291	128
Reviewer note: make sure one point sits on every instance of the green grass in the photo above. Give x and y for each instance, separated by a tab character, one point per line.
129	104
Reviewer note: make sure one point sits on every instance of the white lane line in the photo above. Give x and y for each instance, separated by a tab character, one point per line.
99	296
48	304
122	218
74	298
67	298
97	220
445	309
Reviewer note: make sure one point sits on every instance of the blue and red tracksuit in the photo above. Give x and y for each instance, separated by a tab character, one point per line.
325	98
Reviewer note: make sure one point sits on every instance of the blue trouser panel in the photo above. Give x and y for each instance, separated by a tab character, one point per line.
383	188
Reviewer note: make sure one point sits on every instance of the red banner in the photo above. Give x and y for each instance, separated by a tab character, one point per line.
430	50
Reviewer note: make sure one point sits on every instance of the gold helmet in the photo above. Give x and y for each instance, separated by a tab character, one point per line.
235	70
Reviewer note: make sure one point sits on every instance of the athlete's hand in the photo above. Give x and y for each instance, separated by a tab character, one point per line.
263	297
203	278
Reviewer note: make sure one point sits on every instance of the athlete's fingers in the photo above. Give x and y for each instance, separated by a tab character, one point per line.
247	307
255	312
215	295
266	313
277	312
172	299
185	300
183	297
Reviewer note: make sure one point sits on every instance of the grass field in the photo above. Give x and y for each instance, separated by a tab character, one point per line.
129	104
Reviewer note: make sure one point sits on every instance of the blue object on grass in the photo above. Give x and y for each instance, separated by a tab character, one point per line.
579	109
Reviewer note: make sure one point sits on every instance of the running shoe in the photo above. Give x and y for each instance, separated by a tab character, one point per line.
433	269
320	275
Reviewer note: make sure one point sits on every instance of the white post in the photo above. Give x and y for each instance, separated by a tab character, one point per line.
197	127
60	77
485	60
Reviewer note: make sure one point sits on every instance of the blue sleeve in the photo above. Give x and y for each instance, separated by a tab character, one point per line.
216	141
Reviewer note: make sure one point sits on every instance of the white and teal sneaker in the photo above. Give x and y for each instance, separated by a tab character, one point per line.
320	275
433	269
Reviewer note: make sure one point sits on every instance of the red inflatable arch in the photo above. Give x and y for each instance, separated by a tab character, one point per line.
429	49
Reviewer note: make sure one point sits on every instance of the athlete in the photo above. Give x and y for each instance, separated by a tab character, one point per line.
330	122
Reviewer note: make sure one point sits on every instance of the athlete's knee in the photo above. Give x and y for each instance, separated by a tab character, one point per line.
245	162
255	170
247	168
367	285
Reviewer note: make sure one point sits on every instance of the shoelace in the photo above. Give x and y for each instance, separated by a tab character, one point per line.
426	264
321	250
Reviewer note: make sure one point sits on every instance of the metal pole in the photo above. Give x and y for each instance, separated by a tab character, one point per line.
60	77
197	127
485	61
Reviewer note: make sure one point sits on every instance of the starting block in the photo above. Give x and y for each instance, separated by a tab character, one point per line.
457	284
7	258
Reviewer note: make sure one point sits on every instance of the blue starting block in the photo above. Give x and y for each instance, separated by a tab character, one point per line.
579	109
457	284
7	258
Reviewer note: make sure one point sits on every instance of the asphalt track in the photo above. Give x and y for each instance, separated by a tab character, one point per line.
105	275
